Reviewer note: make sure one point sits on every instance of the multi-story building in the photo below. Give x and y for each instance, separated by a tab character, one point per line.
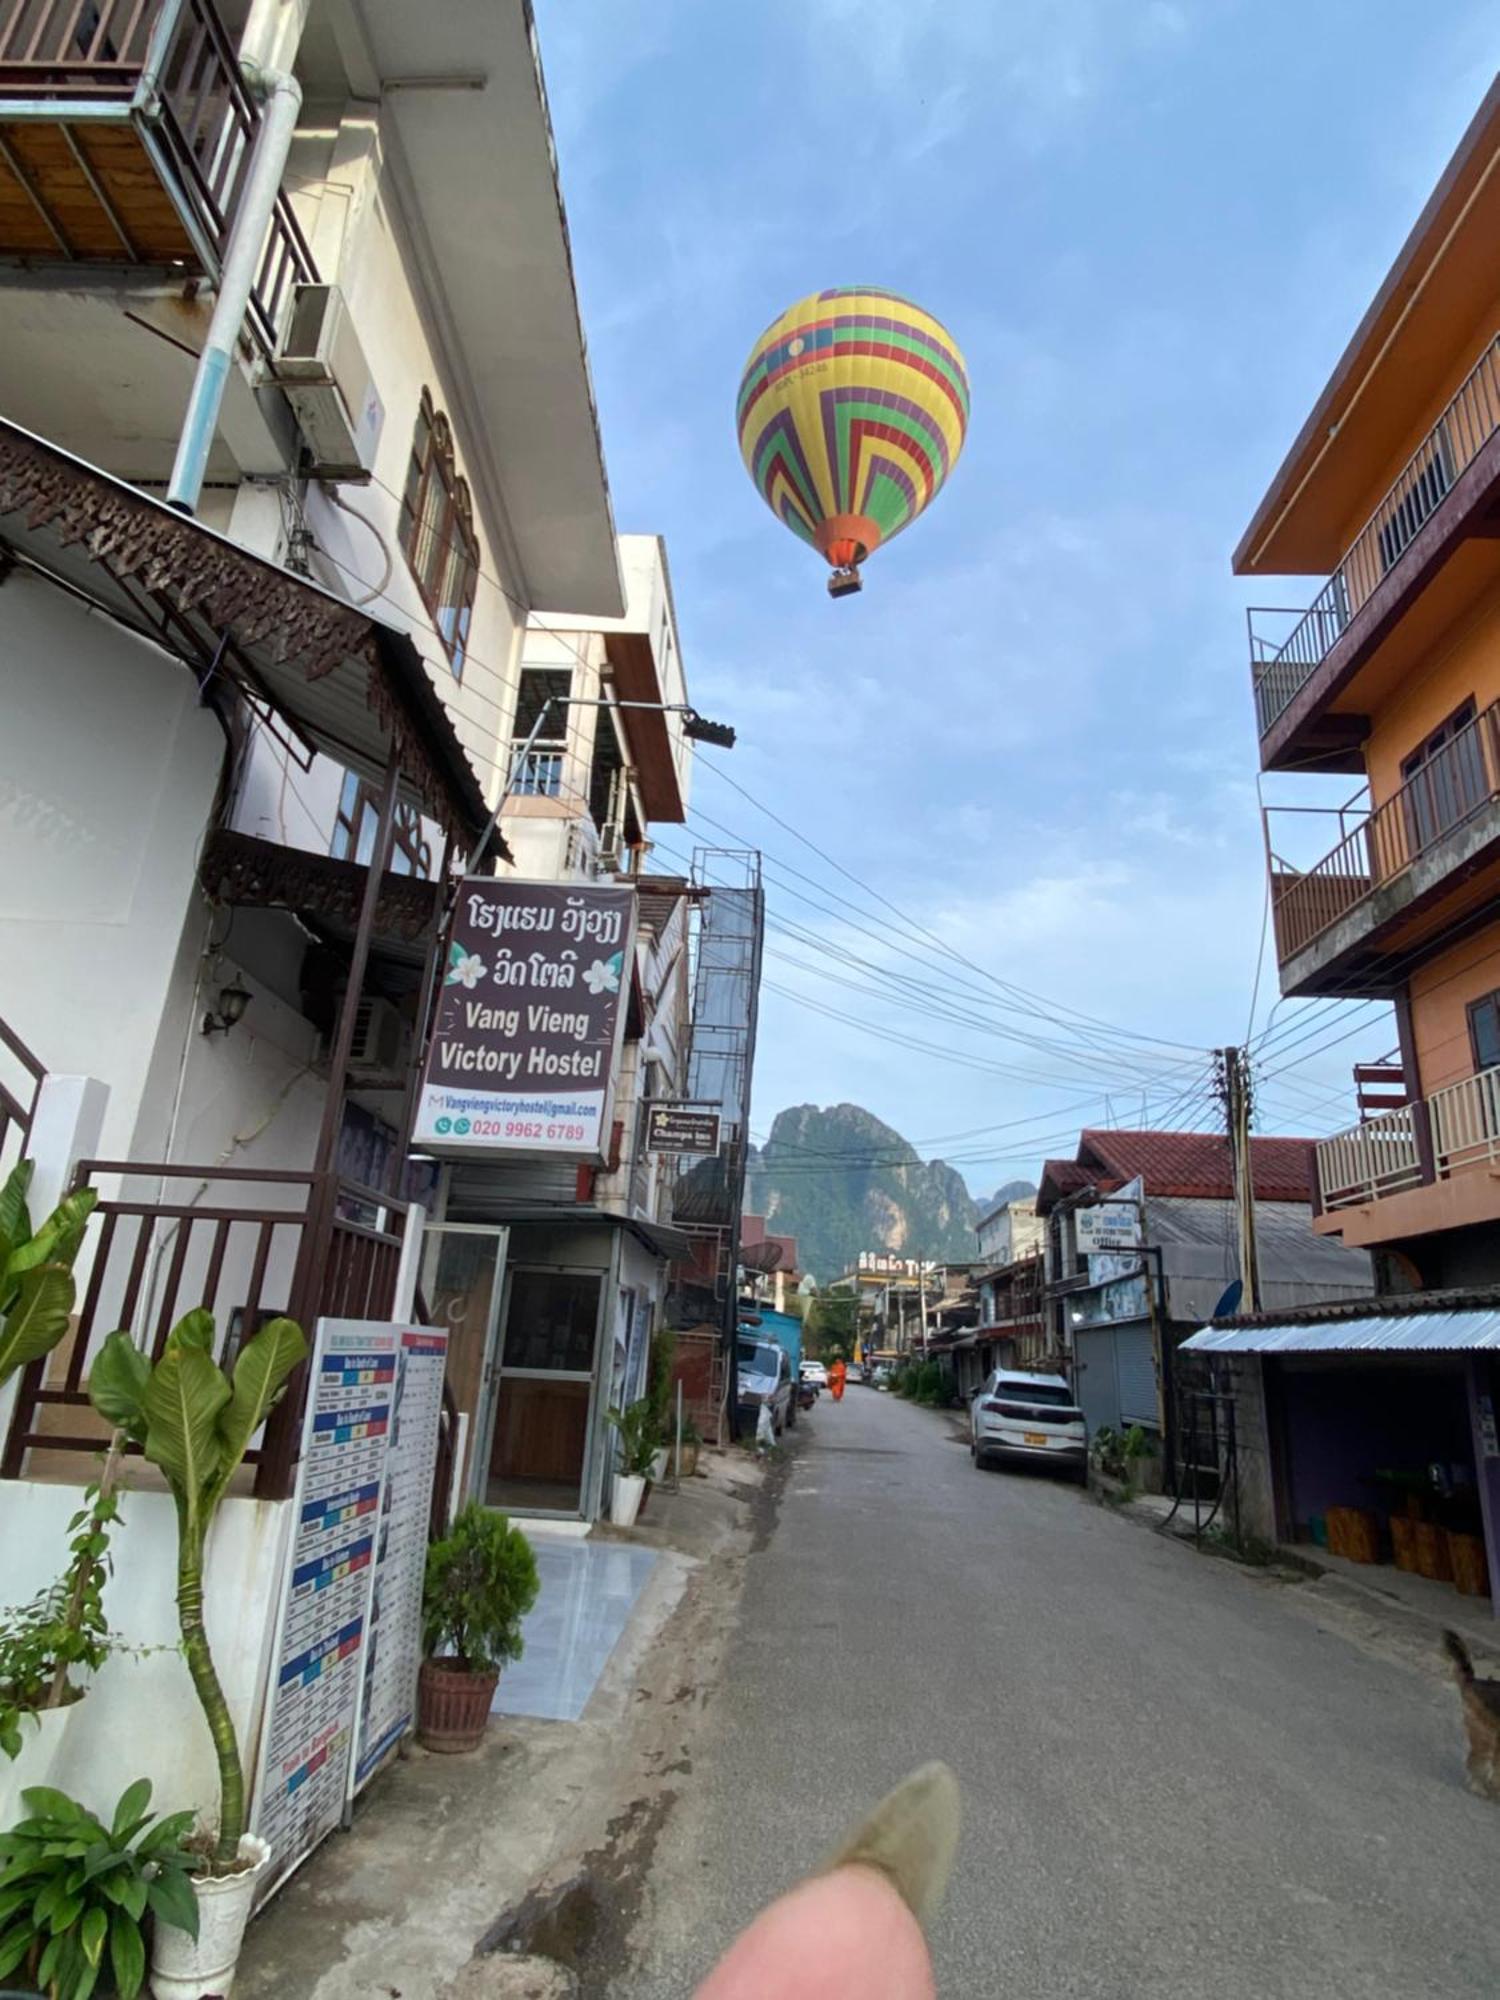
301	490
1392	679
1120	1298
1011	1230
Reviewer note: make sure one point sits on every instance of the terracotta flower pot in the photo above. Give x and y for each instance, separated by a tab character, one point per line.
453	1706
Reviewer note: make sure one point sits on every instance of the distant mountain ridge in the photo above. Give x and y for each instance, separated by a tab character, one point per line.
842	1181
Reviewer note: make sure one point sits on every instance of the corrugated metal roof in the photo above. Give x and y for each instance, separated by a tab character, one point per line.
1377	1333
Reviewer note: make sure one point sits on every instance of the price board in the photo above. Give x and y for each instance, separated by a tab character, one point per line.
317	1663
393	1651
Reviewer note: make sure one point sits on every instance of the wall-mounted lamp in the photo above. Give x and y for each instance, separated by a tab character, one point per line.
233	1000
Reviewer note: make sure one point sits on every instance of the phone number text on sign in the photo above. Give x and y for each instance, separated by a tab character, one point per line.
525	1128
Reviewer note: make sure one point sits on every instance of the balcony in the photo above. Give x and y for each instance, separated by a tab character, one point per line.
539	773
1430	1165
1402	542
1411	859
126	133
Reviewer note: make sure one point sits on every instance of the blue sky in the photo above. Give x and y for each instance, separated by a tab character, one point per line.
1151	225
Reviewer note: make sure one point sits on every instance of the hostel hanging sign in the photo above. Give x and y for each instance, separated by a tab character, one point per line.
529	1019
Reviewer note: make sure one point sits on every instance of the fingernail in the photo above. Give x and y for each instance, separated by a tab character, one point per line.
911	1838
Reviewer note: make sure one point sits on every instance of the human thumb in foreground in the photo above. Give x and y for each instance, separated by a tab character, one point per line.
854	1932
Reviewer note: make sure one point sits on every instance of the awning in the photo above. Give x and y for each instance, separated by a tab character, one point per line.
1376	1333
339	681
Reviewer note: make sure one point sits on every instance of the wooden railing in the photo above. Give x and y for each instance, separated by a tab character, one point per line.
75	48
1449	789
1379	1157
172	69
247	1243
1283	662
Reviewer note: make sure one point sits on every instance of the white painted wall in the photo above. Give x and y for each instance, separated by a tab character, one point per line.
107	771
1011	1232
141	1717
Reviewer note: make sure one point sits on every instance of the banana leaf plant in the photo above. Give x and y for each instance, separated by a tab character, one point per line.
195	1423
36	1270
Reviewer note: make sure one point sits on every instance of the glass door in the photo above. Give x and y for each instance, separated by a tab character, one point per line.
463	1275
538	1446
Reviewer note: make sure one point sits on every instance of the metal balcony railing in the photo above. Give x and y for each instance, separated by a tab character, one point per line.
540	773
168	70
1376	1158
1447	790
1466	1122
1284	660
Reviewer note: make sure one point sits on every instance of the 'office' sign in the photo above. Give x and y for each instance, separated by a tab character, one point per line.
527	1038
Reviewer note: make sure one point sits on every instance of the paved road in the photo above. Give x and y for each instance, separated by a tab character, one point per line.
1177	1782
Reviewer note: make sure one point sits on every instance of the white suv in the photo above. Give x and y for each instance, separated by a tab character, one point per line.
1028	1416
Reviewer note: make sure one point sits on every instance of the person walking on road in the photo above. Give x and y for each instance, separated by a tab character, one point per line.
837	1375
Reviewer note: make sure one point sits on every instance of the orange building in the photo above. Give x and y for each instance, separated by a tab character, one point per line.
1392	491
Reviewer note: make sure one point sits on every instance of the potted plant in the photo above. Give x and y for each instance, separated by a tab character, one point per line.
47	1647
481	1581
637	1430
77	1893
692	1444
195	1423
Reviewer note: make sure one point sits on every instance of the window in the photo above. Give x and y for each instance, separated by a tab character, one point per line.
1444	779
1484	1032
354	831
437	532
541	776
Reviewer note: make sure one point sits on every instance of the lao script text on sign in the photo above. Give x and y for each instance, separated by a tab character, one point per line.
530	1016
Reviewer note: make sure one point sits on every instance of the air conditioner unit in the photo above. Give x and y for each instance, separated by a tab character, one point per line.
610	856
322	368
382	1040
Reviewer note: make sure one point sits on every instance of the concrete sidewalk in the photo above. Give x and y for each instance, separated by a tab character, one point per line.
444	1851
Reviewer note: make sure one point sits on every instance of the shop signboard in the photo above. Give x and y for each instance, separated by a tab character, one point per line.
681	1128
1121	1299
530	1015
1108	1225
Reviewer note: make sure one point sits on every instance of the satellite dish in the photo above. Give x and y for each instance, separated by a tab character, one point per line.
1230	1302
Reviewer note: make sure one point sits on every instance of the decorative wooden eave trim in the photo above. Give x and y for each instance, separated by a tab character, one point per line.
256	604
250	873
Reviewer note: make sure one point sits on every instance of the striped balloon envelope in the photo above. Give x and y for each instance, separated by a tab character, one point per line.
852	412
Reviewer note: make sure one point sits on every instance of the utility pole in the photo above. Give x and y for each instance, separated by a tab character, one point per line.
1236	1093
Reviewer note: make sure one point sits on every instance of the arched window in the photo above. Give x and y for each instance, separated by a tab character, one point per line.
437	532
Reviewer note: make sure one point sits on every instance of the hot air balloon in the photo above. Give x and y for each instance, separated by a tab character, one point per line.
852	412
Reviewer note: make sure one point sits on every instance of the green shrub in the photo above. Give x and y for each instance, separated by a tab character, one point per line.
640	1437
63	1632
481	1581
74	1892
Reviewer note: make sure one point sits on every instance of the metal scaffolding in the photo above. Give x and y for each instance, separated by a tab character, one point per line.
709	1196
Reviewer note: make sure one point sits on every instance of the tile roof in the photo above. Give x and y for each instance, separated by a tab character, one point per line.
1197	1163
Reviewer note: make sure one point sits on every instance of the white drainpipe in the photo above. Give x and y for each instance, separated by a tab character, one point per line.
282	100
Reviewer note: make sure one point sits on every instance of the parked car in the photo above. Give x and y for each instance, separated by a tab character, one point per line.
765	1377
1018	1416
816	1373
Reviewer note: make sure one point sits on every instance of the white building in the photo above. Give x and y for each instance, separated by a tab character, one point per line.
1010	1231
228	683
